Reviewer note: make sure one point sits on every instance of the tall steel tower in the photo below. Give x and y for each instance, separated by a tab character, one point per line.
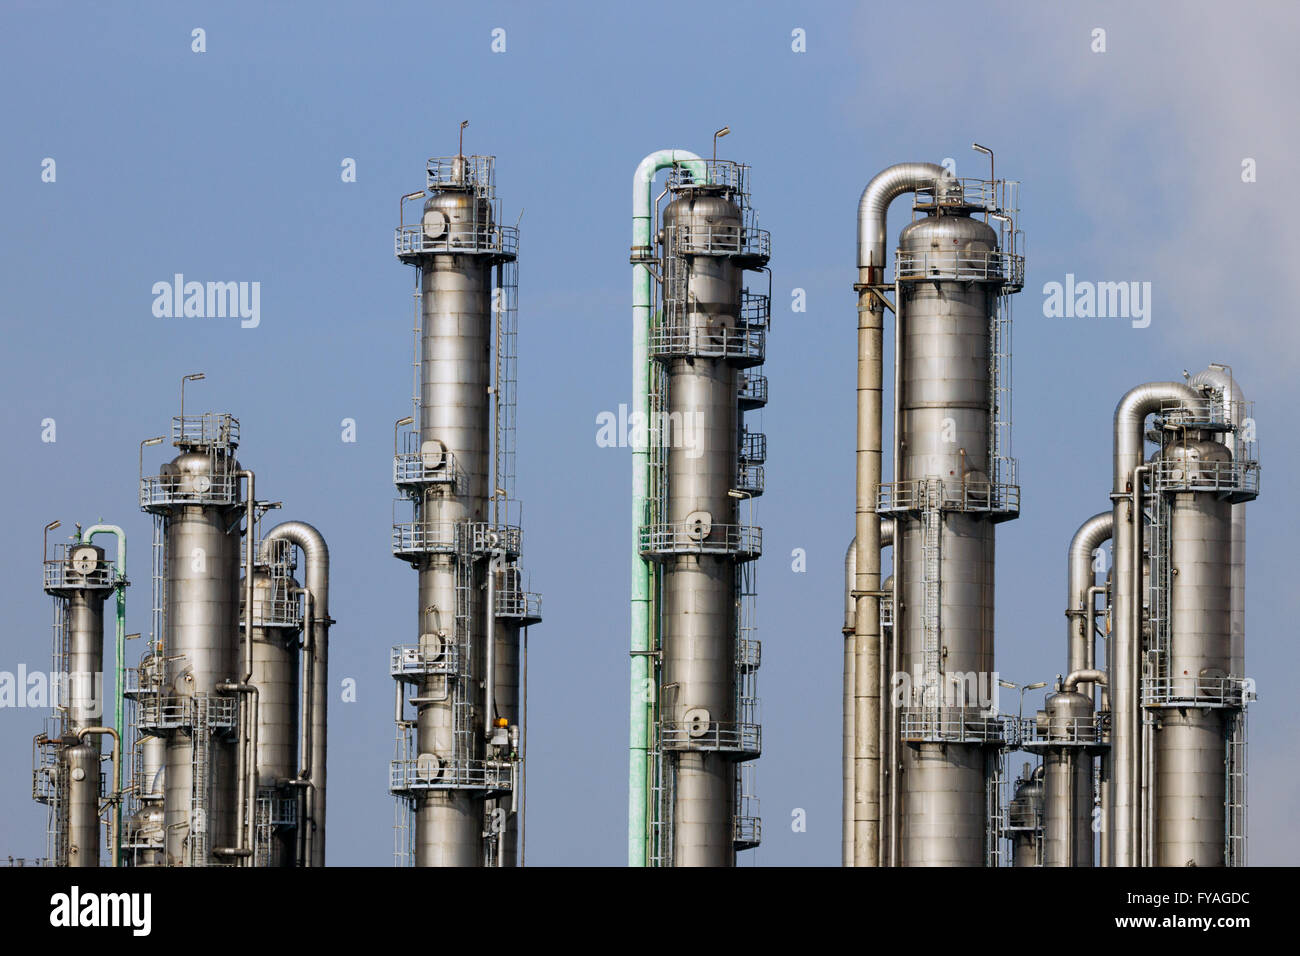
697	710
926	741
459	766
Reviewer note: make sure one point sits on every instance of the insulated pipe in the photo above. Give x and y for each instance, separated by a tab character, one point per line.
119	666
489	659
1087	675
872	209
306	692
642	692
847	755
316	579
1080	577
1126	603
246	816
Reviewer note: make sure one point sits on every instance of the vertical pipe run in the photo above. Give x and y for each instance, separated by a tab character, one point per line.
316	580
119	667
1124	647
642	690
872	208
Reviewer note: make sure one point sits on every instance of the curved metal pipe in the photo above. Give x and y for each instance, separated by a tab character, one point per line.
316	578
873	206
1124	649
1090	676
1079	579
119	661
642	574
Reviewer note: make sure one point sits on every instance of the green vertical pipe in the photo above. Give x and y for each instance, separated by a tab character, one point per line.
642	693
119	681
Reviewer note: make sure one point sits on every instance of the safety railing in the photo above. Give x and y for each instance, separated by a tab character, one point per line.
1205	412
164	491
1236	479
1230	692
993	266
467	238
411	662
717	172
948	494
483	537
211	429
749	478
1061	731
408	776
158	712
720	239
755	309
275	809
749	654
745	346
62	575
753	447
473	172
747	832
416	468
950	725
745	740
514	602
742	541
753	391
425	537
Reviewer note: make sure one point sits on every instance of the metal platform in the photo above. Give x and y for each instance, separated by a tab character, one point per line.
744	542
950	725
742	741
1002	501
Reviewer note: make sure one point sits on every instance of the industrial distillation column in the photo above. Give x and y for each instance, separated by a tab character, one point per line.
953	480
703	464
459	762
1194	694
67	771
197	499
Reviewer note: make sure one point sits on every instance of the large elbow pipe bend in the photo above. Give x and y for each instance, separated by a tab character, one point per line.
884	188
1130	420
1092	534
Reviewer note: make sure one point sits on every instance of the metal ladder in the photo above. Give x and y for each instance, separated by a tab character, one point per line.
994	853
932	534
506	388
1158	538
1234	837
200	780
403	809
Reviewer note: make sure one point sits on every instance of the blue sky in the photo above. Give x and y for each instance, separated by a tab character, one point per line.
225	165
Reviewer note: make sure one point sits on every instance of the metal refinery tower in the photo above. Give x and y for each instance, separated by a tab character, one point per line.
458	772
228	706
923	749
699	341
1149	738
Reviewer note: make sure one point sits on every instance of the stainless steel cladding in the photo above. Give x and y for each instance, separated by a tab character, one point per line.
1025	819
953	481
197	500
1174	776
705	464
303	760
458	768
229	710
67	773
